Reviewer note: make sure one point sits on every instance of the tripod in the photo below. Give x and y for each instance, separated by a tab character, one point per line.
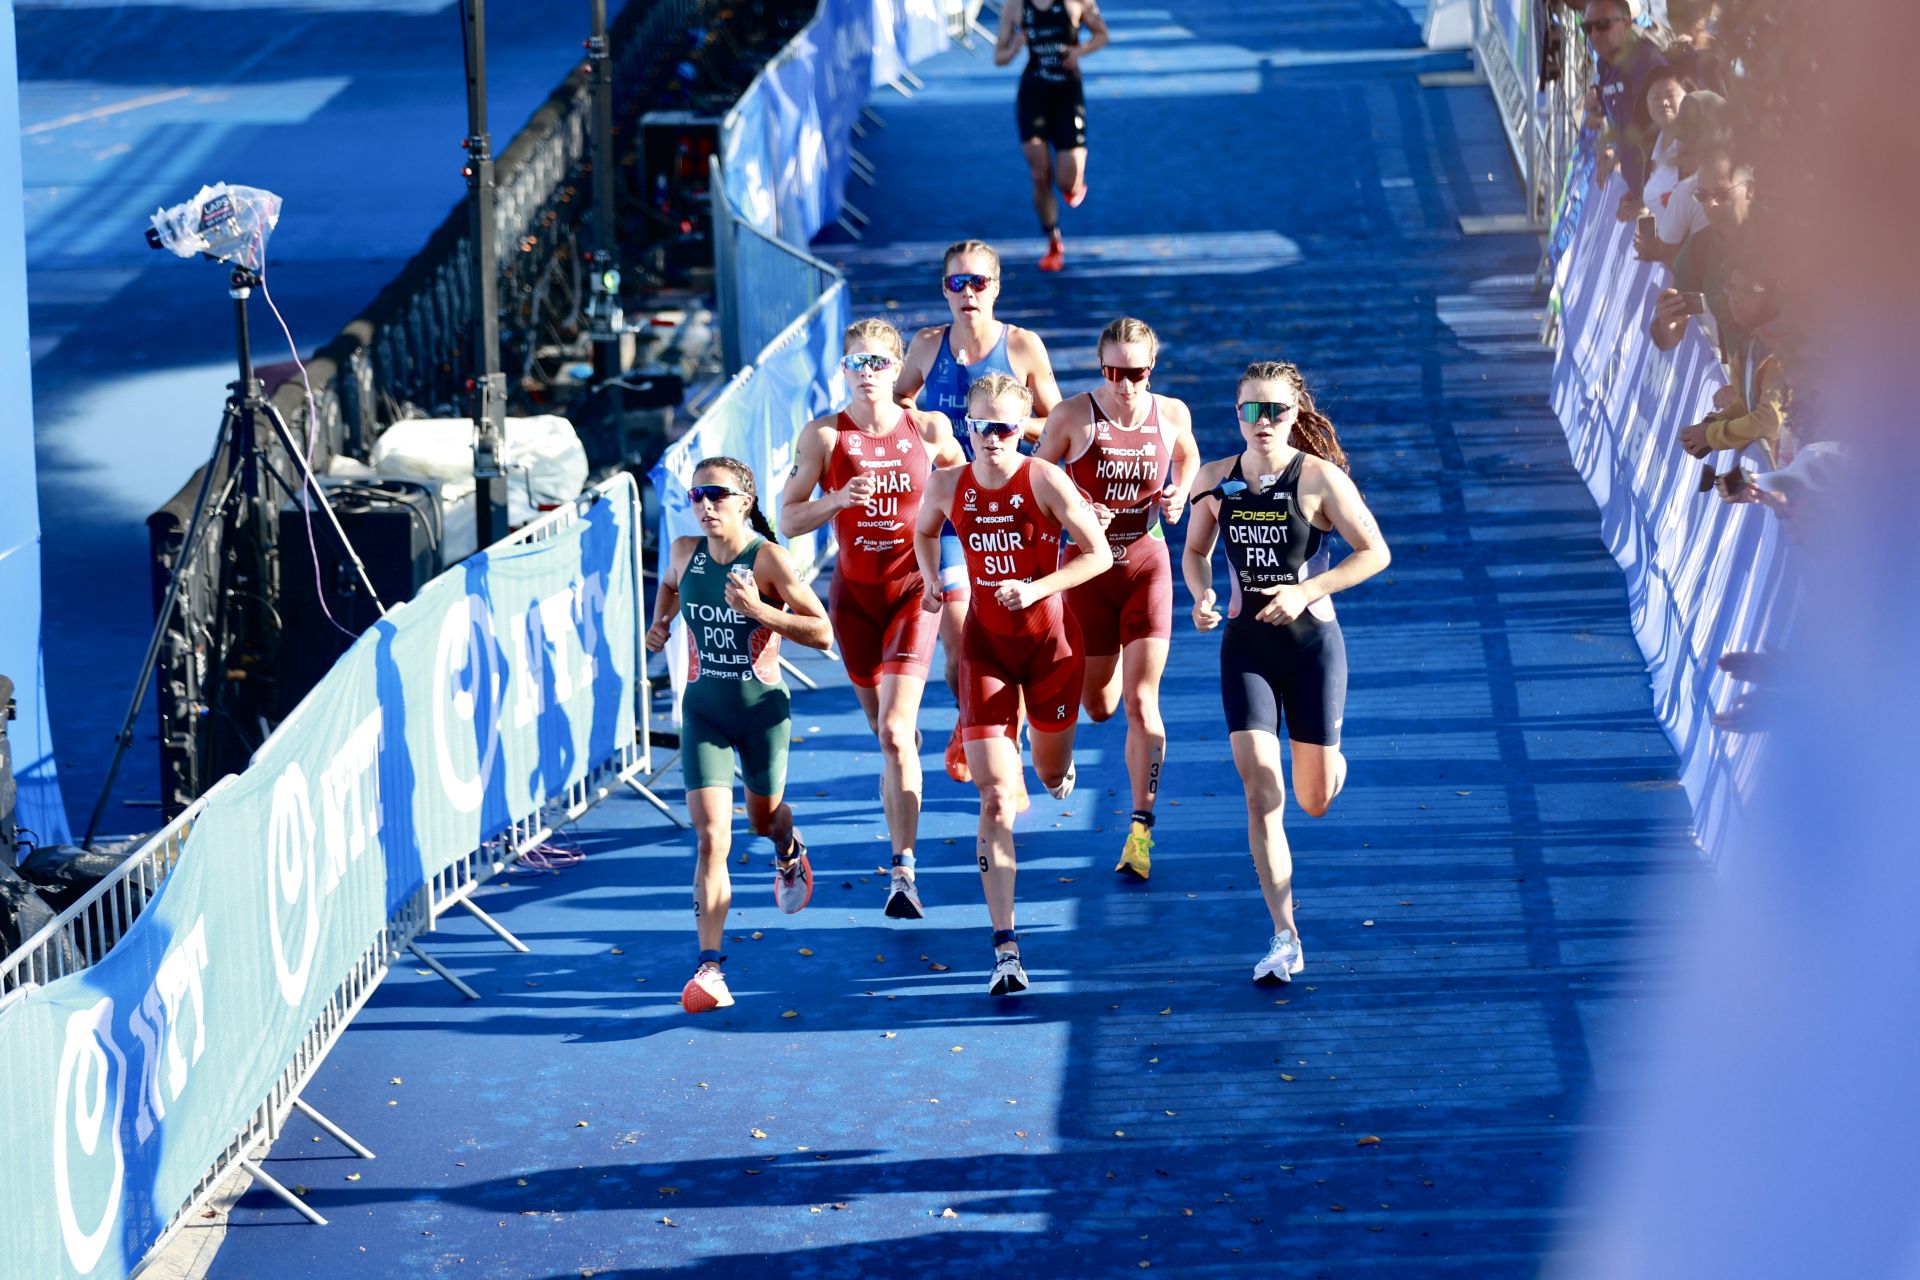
246	546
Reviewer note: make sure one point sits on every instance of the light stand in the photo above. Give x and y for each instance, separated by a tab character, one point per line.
604	318
489	384
246	562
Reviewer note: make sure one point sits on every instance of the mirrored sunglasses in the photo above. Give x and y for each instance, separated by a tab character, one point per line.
967	280
1252	411
988	427
1125	373
863	360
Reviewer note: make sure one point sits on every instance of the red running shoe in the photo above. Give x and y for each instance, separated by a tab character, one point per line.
1079	195
957	757
1055	259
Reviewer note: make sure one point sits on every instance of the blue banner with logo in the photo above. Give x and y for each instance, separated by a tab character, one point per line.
785	145
504	681
1704	577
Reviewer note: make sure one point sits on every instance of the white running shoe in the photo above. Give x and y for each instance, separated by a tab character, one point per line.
1008	977
1065	788
706	990
793	878
903	899
1285	957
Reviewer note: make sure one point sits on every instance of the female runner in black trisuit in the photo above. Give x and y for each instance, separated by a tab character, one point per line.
1052	106
1282	651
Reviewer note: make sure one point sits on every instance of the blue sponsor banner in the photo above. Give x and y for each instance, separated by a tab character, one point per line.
507	679
785	145
1703	577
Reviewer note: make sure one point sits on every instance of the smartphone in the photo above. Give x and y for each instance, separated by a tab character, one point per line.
1707	477
1695	304
1735	482
1647	225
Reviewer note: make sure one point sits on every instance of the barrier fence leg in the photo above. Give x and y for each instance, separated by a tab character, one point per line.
798	674
852	211
443	971
654	800
499	929
287	1197
340	1135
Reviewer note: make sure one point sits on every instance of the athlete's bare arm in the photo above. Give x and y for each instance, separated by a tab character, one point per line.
1186	458
666	600
1203	531
1008	40
1028	356
936	429
800	511
803	620
1340	505
934	508
1096	29
1059	498
1066	432
913	370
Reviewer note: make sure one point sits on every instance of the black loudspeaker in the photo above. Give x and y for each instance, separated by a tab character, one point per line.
394	526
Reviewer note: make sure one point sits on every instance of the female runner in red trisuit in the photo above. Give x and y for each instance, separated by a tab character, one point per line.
871	462
1019	640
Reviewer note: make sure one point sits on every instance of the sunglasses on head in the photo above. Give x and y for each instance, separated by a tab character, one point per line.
713	492
968	280
988	427
1252	411
1125	373
863	360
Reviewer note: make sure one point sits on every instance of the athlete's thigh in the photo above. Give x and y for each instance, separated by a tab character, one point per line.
763	738
1248	693
711	808
906	646
1069	166
1039	158
1142	664
1315	768
1100	686
1053	678
706	749
855	630
1256	755
899	695
1315	690
989	698
870	702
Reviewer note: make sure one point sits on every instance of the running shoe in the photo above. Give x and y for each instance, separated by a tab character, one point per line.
1285	957
1136	856
793	878
706	990
1079	196
1065	788
903	899
1008	977
957	757
1055	258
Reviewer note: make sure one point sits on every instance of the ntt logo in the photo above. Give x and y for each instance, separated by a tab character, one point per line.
88	1096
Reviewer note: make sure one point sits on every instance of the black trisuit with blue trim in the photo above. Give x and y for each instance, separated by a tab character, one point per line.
1299	668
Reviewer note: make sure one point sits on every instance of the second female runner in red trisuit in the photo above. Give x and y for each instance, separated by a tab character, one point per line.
1132	453
1019	639
871	462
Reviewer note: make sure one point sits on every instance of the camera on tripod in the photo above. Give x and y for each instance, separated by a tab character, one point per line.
227	224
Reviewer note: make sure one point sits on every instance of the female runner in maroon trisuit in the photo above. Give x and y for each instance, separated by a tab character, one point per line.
1019	640
1132	453
871	462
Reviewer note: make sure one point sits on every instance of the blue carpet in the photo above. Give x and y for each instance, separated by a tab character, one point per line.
1483	902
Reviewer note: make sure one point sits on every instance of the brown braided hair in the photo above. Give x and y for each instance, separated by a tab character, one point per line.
1311	433
743	476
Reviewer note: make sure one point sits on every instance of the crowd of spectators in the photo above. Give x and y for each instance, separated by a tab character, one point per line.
1680	107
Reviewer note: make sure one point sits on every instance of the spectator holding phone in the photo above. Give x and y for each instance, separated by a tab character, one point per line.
1755	410
1627	60
1702	271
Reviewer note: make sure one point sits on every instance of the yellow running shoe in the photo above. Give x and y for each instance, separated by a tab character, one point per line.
1137	856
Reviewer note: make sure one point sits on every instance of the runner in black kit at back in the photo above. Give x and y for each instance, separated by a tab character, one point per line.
1283	656
1052	107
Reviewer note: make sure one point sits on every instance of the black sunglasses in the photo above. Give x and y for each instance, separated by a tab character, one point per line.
1125	373
967	280
713	492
